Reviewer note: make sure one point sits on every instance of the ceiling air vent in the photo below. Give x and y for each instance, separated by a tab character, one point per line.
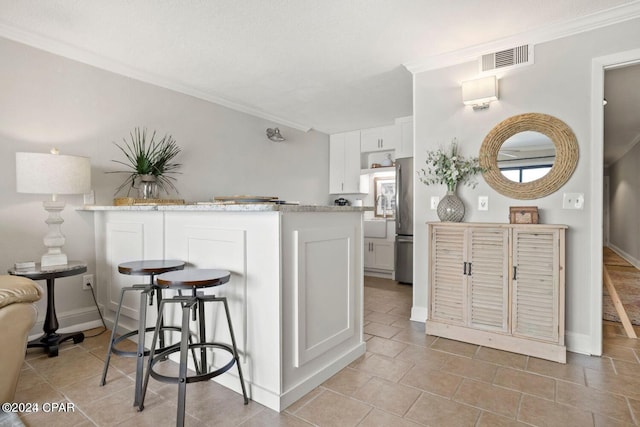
516	56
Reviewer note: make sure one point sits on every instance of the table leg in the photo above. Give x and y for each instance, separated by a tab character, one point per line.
50	340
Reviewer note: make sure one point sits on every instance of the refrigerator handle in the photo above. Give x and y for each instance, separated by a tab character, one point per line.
398	191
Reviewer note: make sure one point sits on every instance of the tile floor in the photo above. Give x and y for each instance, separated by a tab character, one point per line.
405	379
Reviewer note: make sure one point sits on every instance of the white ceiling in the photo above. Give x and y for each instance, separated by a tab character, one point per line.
330	65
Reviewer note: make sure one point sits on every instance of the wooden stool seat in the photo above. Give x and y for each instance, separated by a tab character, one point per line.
150	267
195	278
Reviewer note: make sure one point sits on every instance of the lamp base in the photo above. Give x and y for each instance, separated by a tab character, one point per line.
54	239
50	260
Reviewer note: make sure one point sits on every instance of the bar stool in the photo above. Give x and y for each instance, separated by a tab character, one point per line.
149	268
191	280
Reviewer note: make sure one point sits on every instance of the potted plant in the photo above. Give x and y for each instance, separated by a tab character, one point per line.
149	162
450	168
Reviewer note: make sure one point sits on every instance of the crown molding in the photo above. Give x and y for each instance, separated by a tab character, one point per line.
86	57
547	33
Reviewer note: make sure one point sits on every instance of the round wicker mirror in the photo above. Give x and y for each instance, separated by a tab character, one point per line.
565	162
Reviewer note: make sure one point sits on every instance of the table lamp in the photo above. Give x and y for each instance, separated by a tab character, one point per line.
42	173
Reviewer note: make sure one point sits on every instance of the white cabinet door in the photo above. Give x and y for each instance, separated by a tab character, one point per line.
448	289
378	254
344	163
487	272
380	139
536	280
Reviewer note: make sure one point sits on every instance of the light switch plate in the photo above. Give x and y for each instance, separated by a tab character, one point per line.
483	203
573	201
434	202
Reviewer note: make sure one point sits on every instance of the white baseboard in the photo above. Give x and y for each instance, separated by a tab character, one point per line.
627	257
70	321
419	314
579	343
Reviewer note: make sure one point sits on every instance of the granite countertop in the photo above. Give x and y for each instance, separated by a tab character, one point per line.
229	207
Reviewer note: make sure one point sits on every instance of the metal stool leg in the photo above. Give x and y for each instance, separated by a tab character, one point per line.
203	336
142	326
182	370
235	349
152	351
113	335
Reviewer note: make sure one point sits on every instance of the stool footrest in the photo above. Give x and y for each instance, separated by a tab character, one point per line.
205	376
125	353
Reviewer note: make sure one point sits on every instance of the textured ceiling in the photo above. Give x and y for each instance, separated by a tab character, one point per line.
331	65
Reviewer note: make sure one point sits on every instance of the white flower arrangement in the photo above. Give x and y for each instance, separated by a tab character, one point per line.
449	168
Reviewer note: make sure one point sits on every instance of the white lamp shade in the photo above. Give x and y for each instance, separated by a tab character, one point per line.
480	91
42	173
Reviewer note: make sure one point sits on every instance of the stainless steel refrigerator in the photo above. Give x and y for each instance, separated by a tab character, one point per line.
404	220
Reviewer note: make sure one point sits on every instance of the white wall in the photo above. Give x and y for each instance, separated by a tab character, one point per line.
559	84
625	205
50	101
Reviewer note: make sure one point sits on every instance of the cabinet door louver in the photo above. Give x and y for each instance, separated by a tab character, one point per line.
447	290
535	288
488	281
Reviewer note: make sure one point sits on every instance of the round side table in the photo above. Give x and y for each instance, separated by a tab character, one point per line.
50	340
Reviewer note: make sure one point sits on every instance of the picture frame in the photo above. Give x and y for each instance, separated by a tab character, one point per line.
384	197
523	214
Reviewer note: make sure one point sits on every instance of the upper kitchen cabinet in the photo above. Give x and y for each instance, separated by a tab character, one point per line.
405	147
382	138
344	163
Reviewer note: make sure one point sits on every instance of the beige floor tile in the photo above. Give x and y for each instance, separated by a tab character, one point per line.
621	367
411	336
423	356
331	409
526	382
432	410
384	318
488	397
619	353
269	418
602	421
66	415
385	347
607	404
634	406
572	373
115	408
470	368
88	390
617	384
487	419
455	347
297	405
505	358
39	393
378	418
380	330
384	367
347	381
592	362
433	381
542	412
388	396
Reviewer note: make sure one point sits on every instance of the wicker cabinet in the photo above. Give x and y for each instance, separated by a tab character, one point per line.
498	285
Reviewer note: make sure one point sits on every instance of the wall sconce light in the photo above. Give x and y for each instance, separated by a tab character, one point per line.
480	92
275	135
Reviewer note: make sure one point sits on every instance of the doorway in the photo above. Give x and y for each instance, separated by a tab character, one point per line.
598	67
621	188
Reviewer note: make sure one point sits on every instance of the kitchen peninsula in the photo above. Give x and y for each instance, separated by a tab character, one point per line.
296	292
